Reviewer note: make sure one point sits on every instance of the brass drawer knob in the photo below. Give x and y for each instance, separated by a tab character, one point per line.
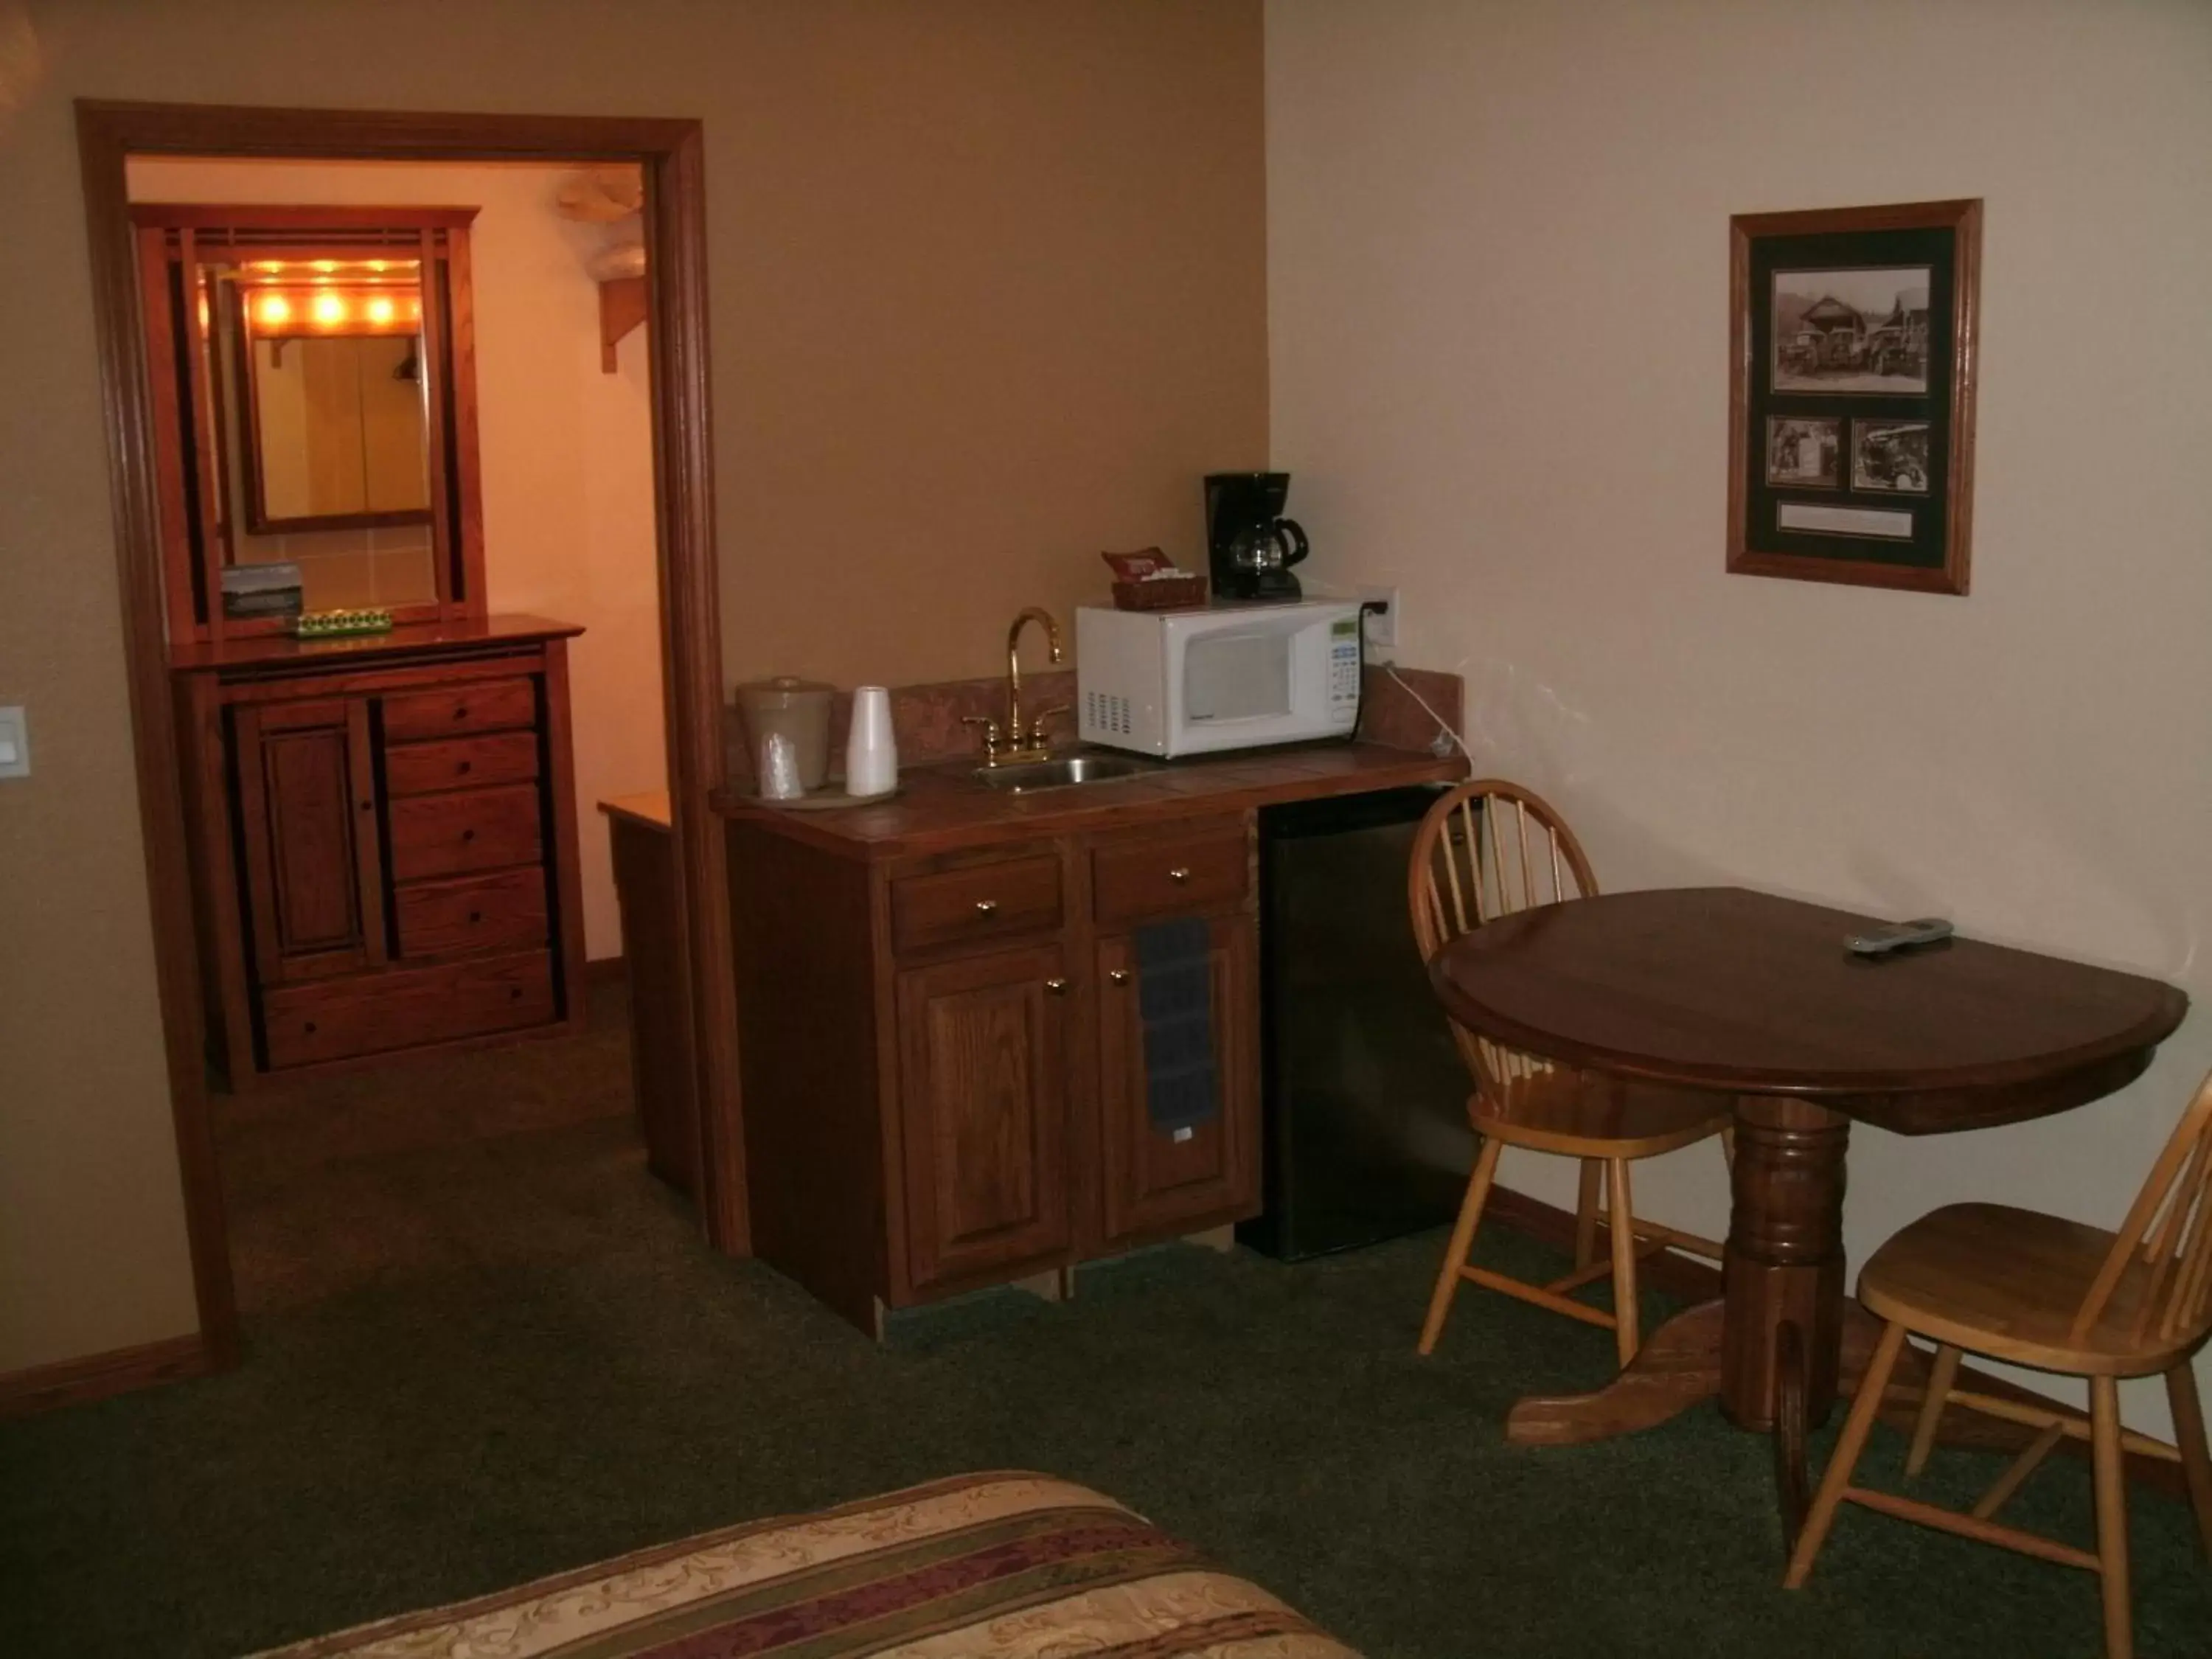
986	907
1181	873
1119	976
1058	986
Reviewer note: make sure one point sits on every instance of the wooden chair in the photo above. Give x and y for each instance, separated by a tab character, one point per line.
2029	1288
1485	849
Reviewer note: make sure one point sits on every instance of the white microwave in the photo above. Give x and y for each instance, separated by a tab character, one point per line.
1229	677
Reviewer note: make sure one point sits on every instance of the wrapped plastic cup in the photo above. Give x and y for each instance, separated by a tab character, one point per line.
779	768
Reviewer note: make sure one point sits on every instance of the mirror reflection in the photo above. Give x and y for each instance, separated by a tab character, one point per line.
334	414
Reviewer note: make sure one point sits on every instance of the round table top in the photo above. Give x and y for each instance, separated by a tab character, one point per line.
1745	993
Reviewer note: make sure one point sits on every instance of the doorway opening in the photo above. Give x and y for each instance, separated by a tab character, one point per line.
469	900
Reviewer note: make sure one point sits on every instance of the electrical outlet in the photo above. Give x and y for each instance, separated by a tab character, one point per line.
1382	630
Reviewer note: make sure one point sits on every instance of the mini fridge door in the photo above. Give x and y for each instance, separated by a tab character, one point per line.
1363	1093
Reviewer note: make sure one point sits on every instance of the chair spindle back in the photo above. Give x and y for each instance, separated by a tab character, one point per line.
1487	849
2168	1234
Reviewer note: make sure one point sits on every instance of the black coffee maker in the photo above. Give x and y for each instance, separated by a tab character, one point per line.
1250	546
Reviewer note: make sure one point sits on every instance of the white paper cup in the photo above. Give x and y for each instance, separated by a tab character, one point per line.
871	749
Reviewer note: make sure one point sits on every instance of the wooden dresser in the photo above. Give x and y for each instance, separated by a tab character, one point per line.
384	840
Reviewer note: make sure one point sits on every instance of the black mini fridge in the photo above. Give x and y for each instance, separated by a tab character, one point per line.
1364	1095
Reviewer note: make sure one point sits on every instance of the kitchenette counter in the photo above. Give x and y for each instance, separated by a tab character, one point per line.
943	807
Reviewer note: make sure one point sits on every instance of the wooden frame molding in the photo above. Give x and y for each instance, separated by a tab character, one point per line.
670	153
95	1377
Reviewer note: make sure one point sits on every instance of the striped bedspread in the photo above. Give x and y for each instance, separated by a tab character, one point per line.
981	1566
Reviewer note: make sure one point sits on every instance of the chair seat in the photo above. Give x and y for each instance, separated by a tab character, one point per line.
1586	1115
2008	1283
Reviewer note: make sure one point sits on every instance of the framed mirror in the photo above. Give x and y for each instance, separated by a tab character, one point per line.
313	377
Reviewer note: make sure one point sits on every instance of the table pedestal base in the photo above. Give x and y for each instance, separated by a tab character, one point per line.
1681	1363
1775	1352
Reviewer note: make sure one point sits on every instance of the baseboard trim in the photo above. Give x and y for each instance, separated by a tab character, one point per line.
97	1377
1684	1276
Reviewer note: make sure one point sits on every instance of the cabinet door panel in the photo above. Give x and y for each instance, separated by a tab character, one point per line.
1151	1182
307	809
983	1079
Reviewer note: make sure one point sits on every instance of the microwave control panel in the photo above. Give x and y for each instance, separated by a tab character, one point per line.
1344	670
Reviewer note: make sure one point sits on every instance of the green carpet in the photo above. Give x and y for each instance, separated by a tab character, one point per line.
481	1350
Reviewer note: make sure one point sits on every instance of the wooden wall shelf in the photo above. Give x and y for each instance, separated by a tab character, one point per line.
623	306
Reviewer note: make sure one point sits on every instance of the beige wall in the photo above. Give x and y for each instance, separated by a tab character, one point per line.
566	451
988	290
1499	302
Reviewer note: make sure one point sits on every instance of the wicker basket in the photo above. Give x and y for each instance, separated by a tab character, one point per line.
1165	593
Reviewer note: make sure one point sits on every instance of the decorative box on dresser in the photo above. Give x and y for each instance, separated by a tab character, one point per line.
384	840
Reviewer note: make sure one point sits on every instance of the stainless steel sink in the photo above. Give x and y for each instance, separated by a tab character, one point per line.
1028	776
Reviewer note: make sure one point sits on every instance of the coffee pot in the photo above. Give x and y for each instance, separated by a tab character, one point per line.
1250	546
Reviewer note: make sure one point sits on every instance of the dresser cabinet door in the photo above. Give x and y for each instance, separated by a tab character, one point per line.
307	821
1154	1182
983	1078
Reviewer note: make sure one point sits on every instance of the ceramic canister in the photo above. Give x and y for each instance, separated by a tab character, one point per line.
794	709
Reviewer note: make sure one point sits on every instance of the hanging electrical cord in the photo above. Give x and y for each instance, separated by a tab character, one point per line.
1446	739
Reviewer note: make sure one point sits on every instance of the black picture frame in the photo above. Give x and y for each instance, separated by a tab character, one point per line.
1852	394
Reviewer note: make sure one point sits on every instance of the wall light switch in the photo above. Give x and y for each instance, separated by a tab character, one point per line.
14	744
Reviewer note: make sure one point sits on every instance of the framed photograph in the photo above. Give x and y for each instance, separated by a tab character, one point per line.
1804	452
1851	394
1890	455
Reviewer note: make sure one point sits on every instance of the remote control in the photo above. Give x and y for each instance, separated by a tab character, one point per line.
1898	935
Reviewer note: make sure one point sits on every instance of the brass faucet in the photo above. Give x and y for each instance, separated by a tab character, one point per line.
1020	742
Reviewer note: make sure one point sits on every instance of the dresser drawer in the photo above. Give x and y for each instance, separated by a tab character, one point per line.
470	830
1175	872
981	904
406	1008
506	911
451	710
419	768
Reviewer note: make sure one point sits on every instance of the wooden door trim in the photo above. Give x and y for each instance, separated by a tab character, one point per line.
671	153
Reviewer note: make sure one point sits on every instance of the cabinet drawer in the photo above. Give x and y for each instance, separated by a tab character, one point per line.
450	710
1170	874
473	829
982	904
505	911
419	769
406	1008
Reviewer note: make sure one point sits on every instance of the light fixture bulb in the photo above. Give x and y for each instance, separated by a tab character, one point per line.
276	311
380	310
329	309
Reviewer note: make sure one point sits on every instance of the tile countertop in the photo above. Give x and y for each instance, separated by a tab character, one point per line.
942	807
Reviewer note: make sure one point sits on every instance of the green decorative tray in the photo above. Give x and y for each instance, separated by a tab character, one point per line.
325	624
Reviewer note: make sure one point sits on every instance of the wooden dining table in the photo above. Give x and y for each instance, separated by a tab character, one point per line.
1757	997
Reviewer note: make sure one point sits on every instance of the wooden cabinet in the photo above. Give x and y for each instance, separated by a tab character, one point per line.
384	842
983	1090
944	1057
307	820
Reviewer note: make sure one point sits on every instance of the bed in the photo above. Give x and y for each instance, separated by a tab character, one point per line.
1004	1566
